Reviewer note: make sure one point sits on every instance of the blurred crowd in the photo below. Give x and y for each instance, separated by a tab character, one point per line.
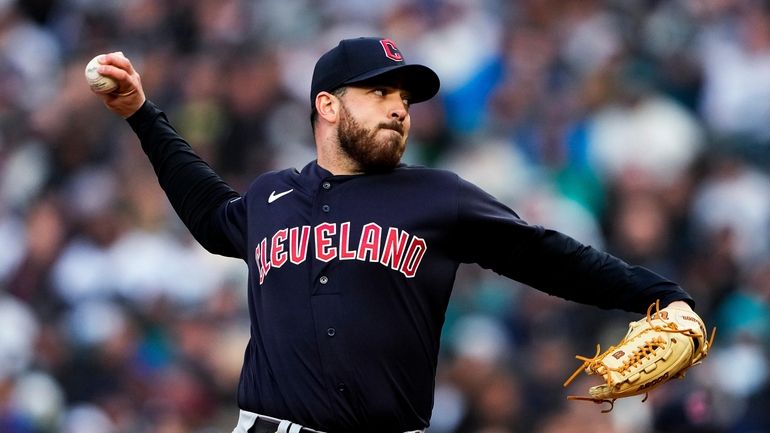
641	127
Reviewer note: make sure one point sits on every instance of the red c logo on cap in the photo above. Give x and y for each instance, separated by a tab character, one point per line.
391	50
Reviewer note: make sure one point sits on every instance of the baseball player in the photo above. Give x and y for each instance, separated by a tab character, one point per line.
352	258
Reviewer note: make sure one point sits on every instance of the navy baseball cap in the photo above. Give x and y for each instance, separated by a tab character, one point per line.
367	59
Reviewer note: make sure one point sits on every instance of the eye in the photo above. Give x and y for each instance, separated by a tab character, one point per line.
379	91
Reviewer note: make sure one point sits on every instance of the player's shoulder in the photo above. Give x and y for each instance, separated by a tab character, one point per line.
273	175
450	183
273	179
426	173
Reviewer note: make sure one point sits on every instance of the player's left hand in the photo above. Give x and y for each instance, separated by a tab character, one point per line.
656	349
129	96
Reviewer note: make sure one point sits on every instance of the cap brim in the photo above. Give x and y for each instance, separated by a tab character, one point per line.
420	81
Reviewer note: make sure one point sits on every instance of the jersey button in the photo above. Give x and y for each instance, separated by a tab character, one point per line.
341	387
324	279
331	332
325	208
326	185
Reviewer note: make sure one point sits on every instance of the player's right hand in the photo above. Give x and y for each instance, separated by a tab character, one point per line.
129	96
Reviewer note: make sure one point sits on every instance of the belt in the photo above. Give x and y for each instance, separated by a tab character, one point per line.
252	422
266	424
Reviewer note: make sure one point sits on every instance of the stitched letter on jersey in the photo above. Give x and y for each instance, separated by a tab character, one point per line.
393	248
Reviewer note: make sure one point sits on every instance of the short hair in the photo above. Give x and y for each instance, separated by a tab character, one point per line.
338	92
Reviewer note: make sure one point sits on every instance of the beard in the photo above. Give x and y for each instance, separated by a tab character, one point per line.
371	153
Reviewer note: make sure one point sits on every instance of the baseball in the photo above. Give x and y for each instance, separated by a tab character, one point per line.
98	82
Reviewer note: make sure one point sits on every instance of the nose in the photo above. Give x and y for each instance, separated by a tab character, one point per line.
399	112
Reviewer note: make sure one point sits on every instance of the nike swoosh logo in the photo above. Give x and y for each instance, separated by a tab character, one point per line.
273	196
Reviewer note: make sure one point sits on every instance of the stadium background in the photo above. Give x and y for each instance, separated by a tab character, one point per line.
638	126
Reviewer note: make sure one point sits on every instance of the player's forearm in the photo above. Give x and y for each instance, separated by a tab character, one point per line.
594	277
192	187
551	261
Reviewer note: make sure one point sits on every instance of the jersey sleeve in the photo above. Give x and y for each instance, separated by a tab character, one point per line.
493	235
211	210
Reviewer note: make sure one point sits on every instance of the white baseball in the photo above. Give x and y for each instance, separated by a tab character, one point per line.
98	82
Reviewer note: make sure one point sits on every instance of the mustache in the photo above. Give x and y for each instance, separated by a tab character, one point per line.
395	126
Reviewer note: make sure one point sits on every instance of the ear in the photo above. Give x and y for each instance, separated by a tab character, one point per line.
328	106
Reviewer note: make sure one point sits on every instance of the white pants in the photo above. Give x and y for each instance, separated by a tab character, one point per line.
247	419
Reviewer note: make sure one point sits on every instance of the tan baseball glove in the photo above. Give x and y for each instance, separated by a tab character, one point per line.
656	349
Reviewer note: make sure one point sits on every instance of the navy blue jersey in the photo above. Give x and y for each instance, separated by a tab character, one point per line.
350	276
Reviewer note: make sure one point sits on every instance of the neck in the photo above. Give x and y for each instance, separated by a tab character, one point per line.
338	169
335	160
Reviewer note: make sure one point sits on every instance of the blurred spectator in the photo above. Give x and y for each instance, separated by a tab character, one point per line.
18	332
31	54
734	48
640	138
734	198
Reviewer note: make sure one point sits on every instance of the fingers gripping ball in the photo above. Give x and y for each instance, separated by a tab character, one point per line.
657	348
98	82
